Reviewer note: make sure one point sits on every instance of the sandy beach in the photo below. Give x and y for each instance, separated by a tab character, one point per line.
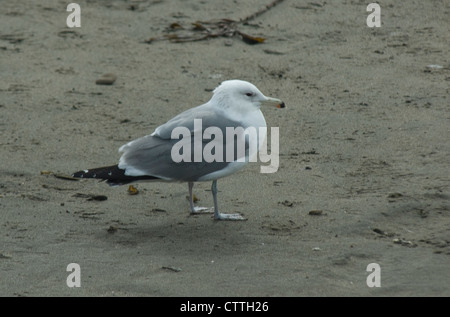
364	149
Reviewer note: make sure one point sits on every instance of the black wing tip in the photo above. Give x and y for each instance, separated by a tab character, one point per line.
79	174
113	175
104	173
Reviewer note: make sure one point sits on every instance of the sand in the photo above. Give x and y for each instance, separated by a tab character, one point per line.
364	150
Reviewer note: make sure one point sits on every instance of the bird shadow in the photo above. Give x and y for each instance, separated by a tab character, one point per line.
193	234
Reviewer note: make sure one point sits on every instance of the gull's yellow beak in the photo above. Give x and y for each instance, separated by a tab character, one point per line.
273	102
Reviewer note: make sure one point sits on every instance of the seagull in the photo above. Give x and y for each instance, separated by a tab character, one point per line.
156	157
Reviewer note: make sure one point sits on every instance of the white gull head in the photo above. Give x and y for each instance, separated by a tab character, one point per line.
241	97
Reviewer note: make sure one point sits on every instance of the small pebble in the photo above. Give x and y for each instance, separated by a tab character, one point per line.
379	231
395	195
435	66
111	229
404	242
171	268
106	79
317	212
5	256
287	203
228	42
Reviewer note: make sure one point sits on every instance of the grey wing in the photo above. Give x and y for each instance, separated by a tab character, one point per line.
185	119
152	155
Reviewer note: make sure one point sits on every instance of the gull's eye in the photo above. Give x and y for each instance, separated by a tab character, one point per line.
249	94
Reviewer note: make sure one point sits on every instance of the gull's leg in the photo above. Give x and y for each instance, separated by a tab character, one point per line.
217	214
196	210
